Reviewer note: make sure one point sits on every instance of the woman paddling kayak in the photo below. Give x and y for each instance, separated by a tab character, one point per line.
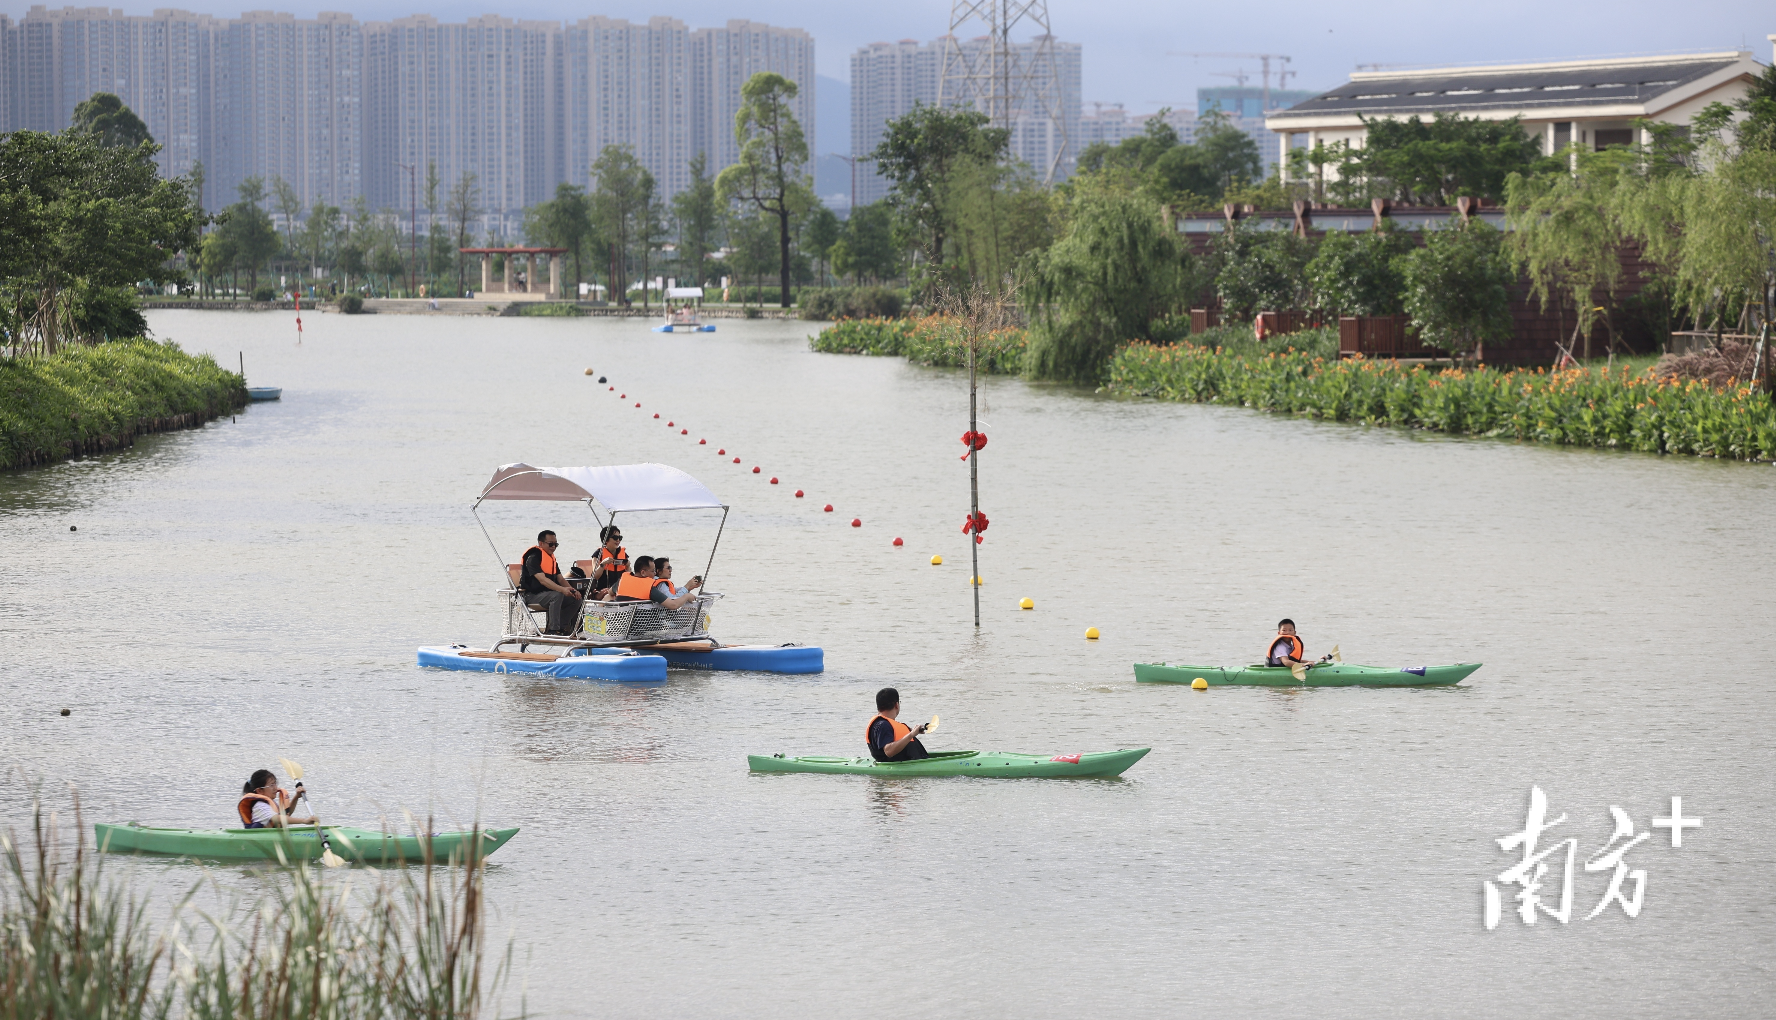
264	806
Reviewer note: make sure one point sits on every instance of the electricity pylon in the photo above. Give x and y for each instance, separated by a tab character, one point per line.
1007	83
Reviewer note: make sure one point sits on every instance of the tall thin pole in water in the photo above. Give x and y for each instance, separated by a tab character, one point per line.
973	486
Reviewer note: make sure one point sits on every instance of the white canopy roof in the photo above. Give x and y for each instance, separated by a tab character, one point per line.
684	292
621	487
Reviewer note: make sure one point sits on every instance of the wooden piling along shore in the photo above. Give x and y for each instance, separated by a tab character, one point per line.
86	400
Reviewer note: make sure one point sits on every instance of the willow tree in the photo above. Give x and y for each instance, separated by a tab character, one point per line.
773	152
1566	236
1115	275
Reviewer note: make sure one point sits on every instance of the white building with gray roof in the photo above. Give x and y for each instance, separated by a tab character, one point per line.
1593	103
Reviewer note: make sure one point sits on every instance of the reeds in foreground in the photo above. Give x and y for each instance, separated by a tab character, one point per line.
408	946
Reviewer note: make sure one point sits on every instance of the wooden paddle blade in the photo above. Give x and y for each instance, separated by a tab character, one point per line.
1337	656
291	767
330	859
932	725
1299	669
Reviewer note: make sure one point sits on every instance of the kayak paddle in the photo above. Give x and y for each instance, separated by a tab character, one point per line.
328	857
932	725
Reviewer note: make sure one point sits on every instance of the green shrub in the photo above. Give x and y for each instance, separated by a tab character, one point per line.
1318	342
836	303
863	336
1360	274
263	294
1626	409
1262	271
548	309
351	304
84	397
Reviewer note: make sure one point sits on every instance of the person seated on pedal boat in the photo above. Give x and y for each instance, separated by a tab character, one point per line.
264	806
638	585
890	739
612	560
542	584
675	596
1285	648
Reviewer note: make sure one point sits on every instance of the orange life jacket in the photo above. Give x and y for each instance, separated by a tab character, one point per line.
900	729
631	587
245	807
672	590
1297	650
614	562
549	565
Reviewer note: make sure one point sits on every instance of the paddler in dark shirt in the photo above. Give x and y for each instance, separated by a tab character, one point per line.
542	584
889	738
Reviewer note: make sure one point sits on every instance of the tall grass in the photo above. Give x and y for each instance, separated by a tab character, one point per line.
930	340
86	398
1625	409
404	944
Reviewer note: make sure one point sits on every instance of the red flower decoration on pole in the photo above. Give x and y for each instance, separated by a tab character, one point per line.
977	523
974	441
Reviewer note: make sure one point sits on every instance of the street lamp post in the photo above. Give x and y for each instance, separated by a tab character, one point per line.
412	223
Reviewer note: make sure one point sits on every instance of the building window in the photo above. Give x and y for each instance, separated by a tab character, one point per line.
1563	135
1607	137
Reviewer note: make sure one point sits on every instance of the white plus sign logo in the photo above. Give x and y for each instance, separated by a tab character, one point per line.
1677	823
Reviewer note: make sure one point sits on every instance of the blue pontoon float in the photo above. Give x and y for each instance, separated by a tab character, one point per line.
627	641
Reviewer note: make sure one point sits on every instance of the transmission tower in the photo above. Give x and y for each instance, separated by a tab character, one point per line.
1007	83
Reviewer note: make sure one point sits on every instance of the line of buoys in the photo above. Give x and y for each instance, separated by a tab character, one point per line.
656	413
702	442
721	453
736	460
1026	603
975	582
684	432
1091	633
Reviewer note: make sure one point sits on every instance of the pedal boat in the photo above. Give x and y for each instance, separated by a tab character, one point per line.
684	318
1319	674
620	641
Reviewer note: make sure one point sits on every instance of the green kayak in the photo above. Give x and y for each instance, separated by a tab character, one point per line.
299	842
986	764
1324	674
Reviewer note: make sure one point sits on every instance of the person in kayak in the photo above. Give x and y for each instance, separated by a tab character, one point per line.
264	806
541	581
1285	649
889	738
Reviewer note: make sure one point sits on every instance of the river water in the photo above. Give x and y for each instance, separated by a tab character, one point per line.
256	589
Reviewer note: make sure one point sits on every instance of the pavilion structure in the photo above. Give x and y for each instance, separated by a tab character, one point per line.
510	284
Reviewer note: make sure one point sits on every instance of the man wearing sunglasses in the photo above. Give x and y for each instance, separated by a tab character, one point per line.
541	581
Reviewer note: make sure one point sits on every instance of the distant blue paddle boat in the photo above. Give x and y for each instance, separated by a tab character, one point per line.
685	316
264	392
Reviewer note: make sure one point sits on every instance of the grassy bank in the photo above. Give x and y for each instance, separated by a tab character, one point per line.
926	341
86	400
1624	408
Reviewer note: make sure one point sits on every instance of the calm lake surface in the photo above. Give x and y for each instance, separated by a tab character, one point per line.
257	588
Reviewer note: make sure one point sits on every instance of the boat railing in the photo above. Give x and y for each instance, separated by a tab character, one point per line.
612	623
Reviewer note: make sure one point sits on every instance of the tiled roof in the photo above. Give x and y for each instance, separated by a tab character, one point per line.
1510	88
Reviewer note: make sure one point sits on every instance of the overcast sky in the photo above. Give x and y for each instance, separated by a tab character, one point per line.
1127	41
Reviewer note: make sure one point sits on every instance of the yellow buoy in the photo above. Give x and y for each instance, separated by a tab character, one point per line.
1091	633
937	561
1026	604
1199	684
975	581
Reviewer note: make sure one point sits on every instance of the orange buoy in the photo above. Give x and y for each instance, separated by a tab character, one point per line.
829	508
857	522
898	542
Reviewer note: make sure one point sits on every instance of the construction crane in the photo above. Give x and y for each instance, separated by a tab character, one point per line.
1282	75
